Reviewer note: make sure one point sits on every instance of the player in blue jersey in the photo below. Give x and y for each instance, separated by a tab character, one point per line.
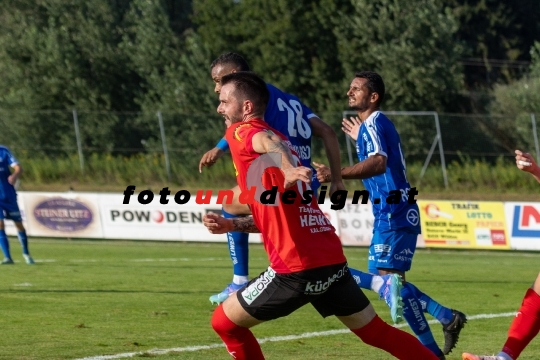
396	226
8	205
287	114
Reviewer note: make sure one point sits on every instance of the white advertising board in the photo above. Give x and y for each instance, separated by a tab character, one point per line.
523	225
156	221
62	214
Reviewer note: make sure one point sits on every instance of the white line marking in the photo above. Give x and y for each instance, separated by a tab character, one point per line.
269	339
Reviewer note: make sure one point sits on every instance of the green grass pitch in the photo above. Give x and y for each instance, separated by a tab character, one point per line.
88	298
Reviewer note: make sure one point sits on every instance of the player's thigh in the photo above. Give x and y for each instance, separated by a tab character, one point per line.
392	250
236	313
271	295
9	209
342	297
235	207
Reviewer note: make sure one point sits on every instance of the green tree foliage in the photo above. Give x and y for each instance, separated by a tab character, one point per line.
497	36
411	44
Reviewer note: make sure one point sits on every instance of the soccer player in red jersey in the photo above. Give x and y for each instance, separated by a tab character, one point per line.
526	324
307	264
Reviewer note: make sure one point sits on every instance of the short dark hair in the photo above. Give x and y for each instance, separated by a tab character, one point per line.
249	86
230	58
374	83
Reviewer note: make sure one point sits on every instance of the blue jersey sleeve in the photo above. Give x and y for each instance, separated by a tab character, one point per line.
307	111
375	139
10	158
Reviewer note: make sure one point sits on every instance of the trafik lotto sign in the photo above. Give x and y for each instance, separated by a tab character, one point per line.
523	222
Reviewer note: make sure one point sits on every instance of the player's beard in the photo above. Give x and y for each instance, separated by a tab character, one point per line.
229	120
360	107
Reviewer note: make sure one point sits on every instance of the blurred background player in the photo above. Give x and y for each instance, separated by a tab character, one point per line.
306	266
526	324
397	222
287	114
8	205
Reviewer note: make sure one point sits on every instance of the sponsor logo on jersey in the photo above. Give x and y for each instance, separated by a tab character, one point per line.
253	291
412	217
382	248
405	255
320	286
237	135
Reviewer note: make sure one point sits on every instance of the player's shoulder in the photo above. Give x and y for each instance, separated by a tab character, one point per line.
4	150
276	92
242	130
380	121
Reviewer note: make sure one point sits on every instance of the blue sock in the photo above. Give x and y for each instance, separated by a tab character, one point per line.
362	279
439	312
24	242
412	312
238	249
4	244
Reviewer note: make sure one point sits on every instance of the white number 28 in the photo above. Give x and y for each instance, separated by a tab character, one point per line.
297	123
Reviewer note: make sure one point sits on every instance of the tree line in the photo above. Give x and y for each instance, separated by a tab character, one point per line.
140	56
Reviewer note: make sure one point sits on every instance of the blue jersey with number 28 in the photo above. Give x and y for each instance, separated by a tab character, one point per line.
378	135
287	114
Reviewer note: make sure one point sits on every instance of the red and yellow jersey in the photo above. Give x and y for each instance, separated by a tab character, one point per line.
296	236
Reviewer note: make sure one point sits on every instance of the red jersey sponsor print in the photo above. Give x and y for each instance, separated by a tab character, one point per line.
296	236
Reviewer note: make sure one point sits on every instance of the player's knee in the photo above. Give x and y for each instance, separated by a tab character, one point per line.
221	324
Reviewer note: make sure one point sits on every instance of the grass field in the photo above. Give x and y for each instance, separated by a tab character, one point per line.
88	298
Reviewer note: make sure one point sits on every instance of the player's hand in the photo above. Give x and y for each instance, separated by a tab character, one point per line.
323	173
336	186
292	175
525	161
12	179
210	158
217	224
351	126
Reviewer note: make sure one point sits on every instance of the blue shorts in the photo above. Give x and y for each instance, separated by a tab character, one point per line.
392	249
10	210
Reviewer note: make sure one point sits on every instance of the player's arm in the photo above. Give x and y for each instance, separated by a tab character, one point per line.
17	171
219	225
211	156
264	142
525	162
331	146
373	165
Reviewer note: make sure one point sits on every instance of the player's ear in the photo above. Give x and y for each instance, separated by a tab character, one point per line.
374	97
248	107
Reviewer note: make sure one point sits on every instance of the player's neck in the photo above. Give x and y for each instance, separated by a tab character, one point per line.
250	117
363	115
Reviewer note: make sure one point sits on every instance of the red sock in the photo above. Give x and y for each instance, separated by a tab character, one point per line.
525	326
240	342
398	343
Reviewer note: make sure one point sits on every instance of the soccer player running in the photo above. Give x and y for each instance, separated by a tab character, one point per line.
8	205
396	226
287	114
307	264
526	324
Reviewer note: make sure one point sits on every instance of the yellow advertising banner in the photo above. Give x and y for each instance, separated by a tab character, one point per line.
464	224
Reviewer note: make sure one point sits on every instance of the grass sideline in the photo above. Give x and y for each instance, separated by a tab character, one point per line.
87	298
